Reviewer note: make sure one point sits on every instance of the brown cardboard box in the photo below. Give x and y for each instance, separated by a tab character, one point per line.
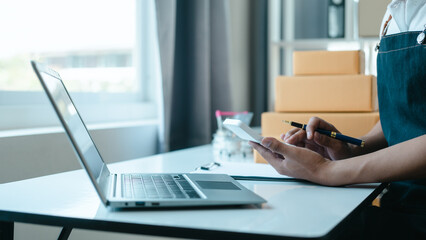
329	93
351	124
328	62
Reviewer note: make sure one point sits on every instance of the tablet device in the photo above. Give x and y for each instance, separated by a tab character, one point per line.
242	130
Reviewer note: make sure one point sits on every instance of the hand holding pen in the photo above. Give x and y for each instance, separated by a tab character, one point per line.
323	138
331	134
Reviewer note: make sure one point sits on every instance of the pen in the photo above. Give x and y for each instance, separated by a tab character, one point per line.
210	166
332	134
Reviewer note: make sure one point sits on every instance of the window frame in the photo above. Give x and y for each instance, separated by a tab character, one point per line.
31	109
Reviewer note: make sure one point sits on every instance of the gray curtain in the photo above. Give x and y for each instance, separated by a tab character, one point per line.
258	40
193	42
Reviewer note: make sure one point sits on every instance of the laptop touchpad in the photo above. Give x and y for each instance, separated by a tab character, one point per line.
217	185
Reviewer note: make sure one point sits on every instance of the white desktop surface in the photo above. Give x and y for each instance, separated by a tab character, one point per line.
296	209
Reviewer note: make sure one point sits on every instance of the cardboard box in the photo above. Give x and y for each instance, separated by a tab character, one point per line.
328	62
330	93
351	124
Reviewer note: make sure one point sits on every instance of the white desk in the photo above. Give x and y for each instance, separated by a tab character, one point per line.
294	209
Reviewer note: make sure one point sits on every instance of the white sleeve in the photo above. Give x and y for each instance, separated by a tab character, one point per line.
418	19
407	15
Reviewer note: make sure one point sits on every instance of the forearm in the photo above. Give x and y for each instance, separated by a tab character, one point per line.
403	161
374	141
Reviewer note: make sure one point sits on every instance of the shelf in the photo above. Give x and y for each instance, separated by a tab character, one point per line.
321	42
285	23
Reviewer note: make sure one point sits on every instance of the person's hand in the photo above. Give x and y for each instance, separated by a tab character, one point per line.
326	146
295	161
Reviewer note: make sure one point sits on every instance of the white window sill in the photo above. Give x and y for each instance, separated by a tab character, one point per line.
60	129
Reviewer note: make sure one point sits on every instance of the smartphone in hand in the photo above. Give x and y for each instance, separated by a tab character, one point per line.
242	130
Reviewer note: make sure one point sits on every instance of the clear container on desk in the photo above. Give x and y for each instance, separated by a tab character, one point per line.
226	145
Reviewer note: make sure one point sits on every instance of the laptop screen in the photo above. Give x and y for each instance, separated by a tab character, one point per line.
73	124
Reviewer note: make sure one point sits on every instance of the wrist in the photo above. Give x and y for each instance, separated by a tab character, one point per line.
327	175
339	173
355	150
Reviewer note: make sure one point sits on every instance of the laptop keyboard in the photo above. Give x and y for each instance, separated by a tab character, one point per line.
157	187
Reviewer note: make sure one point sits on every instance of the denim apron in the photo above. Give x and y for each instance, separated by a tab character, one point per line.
401	84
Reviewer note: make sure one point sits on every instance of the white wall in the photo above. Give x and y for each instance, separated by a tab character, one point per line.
37	152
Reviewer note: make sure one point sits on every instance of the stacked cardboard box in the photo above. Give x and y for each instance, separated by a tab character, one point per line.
329	85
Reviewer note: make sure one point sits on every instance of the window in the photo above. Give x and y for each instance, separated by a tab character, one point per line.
97	48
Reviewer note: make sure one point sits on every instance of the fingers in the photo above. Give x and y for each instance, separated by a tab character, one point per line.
315	147
290	133
295	136
299	162
314	123
265	152
278	147
270	148
326	141
275	159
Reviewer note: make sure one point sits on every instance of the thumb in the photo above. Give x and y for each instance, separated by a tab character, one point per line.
325	141
277	146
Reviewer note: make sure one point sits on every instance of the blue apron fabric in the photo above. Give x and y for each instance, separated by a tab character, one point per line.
401	84
401	80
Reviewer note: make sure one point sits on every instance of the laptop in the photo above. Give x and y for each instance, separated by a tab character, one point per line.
120	190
